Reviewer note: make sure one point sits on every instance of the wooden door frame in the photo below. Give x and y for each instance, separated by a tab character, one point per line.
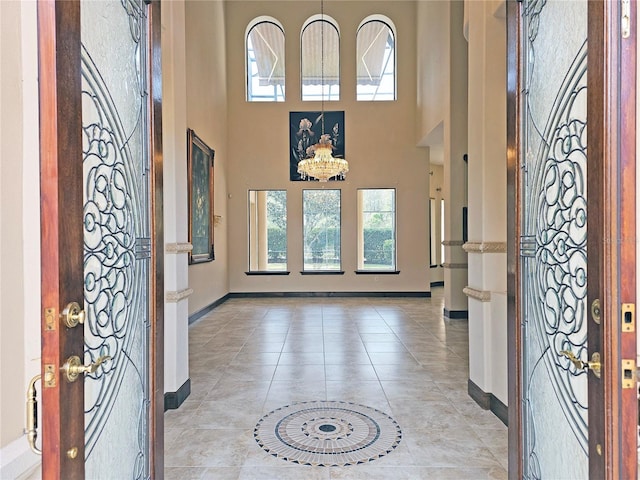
611	80
61	208
156	350
611	134
61	243
514	340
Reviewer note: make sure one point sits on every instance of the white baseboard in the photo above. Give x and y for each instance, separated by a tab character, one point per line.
17	460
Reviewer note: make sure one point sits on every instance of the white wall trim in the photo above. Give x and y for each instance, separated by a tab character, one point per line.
485	247
452	243
17	460
455	265
178	248
177	296
482	295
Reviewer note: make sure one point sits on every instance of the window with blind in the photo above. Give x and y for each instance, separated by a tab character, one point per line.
265	60
320	59
376	60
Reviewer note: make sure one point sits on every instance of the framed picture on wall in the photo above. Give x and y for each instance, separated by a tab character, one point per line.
305	130
200	191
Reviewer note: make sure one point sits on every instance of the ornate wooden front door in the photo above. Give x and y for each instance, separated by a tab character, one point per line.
572	274
101	178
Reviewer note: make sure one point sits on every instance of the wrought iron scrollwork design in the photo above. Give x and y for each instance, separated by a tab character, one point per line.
116	254
556	217
560	210
532	12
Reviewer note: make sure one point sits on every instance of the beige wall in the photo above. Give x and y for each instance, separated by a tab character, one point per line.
432	67
19	229
487	121
433	64
207	115
380	147
442	109
11	253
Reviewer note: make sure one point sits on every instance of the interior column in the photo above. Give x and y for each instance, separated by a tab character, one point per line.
174	143
455	149
486	288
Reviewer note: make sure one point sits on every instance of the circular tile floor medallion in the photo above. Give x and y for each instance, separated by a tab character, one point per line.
327	433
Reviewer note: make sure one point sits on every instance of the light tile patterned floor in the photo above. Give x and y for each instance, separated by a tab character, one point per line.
251	356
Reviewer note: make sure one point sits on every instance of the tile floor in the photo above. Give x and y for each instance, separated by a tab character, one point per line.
250	356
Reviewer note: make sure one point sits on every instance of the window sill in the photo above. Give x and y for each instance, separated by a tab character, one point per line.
377	272
322	272
266	272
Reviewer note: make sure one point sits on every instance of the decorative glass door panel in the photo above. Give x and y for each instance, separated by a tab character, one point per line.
115	133
554	239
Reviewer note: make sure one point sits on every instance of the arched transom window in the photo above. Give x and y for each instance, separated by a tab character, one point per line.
320	59
376	59
265	60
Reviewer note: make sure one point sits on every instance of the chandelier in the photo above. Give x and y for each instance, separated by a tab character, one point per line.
320	163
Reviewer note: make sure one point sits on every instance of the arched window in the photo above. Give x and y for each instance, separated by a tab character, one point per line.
320	59
265	60
376	62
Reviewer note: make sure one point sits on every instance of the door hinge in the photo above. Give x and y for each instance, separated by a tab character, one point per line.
628	317
628	373
625	20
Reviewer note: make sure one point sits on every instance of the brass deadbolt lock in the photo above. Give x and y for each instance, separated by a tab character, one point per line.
73	315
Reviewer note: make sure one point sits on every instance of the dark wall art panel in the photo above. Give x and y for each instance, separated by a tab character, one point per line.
305	130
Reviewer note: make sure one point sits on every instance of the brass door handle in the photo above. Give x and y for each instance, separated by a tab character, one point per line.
73	367
594	365
32	415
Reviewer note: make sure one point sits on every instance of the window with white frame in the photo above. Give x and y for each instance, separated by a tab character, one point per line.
321	230
442	249
433	252
320	59
377	229
265	61
376	60
267	230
